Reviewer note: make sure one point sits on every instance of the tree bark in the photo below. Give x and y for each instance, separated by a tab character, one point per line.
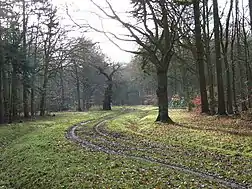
43	94
108	95
221	98
250	12
25	66
1	77
77	87
225	45
200	59
14	90
229	90
163	115
32	99
233	73
7	95
241	66
62	103
1	95
206	32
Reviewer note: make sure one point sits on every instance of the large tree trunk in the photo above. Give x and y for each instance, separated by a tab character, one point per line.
221	98
163	115
200	59
108	96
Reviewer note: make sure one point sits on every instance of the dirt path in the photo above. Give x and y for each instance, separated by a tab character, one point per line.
98	138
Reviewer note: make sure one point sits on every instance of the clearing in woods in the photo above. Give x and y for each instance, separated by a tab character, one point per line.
124	148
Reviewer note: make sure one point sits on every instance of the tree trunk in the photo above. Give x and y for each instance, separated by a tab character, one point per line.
42	101
221	98
43	94
108	96
229	89
14	90
247	57
7	100
77	88
233	74
225	45
163	115
25	65
32	99
250	11
200	59
2	59
1	95
62	103
206	32
241	66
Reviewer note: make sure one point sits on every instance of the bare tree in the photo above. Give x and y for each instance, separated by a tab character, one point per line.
225	46
221	98
157	42
200	58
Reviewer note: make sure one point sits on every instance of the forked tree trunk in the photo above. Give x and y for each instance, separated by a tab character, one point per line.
163	115
200	59
221	98
206	32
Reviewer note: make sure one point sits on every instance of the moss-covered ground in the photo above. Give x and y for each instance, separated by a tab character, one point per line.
36	154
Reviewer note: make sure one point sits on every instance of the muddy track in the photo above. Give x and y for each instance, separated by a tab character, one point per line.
97	138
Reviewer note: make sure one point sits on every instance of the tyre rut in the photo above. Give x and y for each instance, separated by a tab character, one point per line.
120	147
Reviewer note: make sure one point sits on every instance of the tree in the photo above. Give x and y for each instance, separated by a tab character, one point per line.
207	40
157	44
51	39
109	81
221	98
200	58
225	46
1	75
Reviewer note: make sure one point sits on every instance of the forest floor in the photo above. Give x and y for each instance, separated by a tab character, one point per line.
124	148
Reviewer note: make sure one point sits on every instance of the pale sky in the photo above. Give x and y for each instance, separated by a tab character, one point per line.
83	11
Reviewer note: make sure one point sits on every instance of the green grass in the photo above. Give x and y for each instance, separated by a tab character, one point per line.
210	144
36	154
